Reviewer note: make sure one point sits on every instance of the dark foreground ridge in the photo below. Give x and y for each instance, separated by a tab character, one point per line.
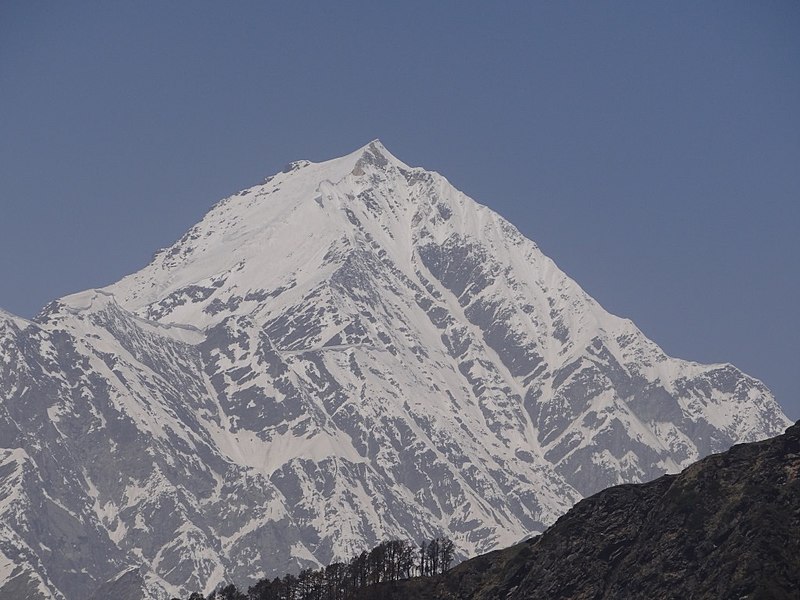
726	527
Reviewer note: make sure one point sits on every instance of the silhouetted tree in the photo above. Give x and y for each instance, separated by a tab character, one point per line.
433	556
405	561
227	592
262	590
446	553
335	581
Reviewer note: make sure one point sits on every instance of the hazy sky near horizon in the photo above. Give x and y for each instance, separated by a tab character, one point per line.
652	149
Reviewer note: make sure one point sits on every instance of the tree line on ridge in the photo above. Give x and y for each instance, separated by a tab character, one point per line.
389	561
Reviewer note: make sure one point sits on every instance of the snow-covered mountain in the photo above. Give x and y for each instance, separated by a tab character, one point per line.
351	351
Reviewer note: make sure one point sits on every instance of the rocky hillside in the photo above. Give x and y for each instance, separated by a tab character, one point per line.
726	527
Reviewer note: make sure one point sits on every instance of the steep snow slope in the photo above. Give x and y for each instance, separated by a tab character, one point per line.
350	351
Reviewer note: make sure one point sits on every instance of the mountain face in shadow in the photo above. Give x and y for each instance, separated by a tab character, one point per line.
726	527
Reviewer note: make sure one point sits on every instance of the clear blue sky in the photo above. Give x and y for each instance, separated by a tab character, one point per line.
651	148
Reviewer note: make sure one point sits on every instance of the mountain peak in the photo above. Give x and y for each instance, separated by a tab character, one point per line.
376	144
348	352
376	155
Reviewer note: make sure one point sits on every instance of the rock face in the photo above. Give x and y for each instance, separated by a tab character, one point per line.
349	352
726	527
